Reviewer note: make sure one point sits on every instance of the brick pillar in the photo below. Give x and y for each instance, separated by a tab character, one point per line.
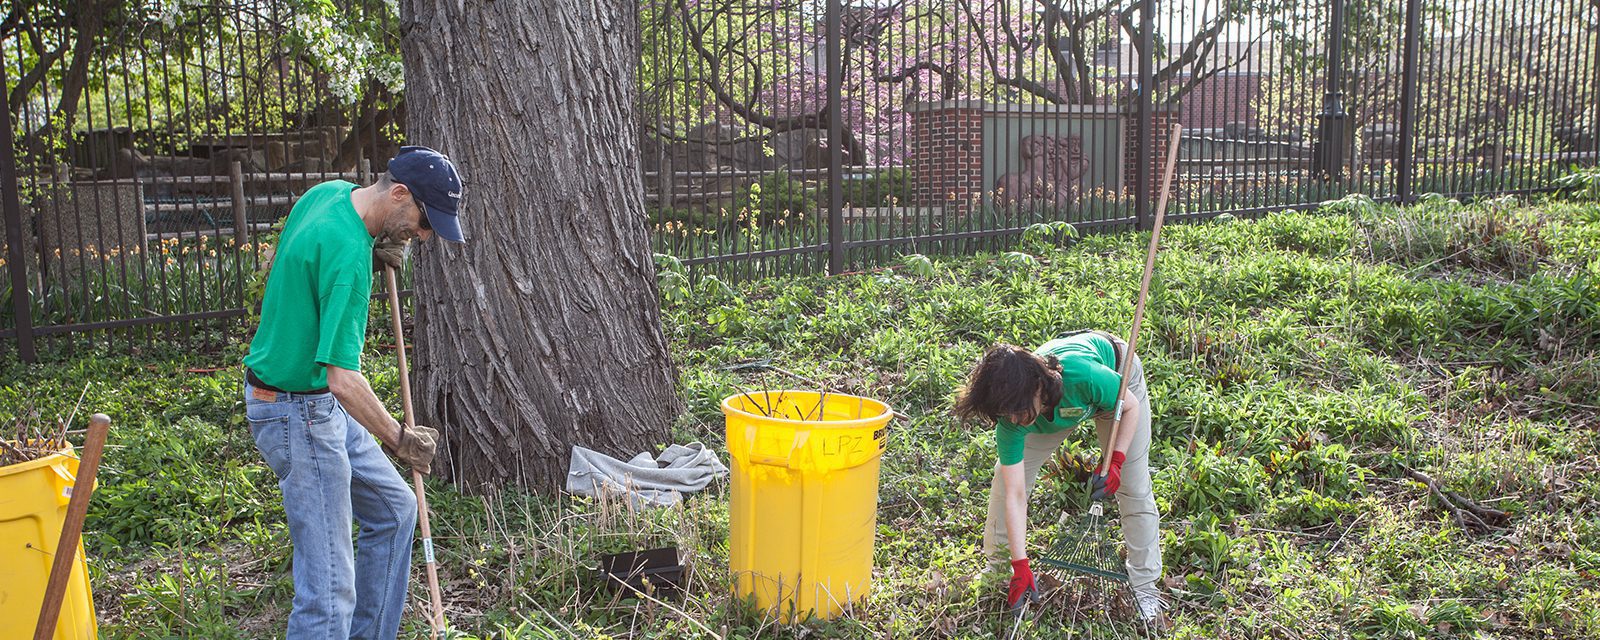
1162	121
947	155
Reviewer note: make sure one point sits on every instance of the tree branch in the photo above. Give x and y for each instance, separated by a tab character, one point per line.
950	84
1021	83
88	20
985	48
747	109
25	84
1470	515
1075	74
1196	78
1065	69
1205	40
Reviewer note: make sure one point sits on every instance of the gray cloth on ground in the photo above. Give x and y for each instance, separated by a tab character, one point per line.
646	480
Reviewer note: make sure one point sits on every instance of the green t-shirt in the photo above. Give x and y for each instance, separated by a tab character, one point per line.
314	312
1089	384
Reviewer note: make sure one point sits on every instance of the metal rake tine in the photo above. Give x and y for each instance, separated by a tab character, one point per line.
1019	613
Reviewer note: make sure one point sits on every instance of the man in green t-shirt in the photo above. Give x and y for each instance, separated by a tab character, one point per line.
314	415
1036	399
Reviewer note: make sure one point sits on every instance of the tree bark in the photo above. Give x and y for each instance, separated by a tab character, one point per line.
543	331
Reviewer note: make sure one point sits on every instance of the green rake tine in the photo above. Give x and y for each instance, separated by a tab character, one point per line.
1085	550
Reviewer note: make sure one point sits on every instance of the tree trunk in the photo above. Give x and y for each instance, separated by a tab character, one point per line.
543	331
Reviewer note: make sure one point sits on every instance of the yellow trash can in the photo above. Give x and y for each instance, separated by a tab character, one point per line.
33	506
805	498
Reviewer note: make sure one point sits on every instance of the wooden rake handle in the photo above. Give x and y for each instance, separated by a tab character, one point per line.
1144	292
55	590
436	617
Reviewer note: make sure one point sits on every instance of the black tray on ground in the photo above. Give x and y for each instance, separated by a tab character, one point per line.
656	572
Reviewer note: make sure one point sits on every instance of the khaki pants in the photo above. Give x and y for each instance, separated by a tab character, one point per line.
1136	502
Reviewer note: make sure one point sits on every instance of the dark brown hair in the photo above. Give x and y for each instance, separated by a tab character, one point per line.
1005	381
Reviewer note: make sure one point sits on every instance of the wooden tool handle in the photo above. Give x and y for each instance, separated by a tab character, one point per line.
1144	292
71	530
436	619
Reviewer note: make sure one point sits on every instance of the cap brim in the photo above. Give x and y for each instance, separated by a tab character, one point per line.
444	224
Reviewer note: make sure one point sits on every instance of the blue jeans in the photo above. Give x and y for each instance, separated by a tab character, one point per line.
331	470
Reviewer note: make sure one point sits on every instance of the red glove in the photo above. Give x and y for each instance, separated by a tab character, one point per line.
1021	584
1105	486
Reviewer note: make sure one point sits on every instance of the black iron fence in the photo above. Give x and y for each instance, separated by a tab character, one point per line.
781	136
798	136
155	145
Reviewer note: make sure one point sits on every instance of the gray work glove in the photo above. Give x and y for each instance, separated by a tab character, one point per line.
416	447
388	252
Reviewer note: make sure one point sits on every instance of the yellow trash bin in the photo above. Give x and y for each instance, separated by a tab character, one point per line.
33	506
805	498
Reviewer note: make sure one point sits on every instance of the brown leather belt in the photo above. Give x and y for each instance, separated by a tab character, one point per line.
250	377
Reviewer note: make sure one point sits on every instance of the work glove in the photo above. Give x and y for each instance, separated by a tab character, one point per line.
388	251
1022	585
415	447
1106	486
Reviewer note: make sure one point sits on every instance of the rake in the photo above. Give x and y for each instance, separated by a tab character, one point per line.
1085	548
436	620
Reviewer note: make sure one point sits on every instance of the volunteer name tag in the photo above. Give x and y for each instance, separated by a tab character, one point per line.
1070	414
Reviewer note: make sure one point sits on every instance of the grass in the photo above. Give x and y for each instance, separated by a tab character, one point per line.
883	220
1299	365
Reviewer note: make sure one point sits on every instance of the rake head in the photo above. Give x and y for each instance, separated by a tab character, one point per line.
1086	549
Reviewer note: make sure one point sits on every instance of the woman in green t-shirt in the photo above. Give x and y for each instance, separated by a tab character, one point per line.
1035	399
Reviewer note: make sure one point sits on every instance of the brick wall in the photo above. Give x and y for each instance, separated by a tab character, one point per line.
1221	100
947	155
1160	138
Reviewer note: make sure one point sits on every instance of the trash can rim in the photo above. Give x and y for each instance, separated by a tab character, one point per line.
887	412
37	463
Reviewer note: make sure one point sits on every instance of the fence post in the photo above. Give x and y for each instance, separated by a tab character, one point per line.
666	182
1331	135
241	228
1408	103
835	141
16	236
1141	152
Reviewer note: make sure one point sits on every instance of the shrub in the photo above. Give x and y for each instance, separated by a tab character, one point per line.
882	188
776	196
1581	183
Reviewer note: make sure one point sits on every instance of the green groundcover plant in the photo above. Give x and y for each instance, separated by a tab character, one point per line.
1331	391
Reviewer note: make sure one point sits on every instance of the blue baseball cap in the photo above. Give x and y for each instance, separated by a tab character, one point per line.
433	179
